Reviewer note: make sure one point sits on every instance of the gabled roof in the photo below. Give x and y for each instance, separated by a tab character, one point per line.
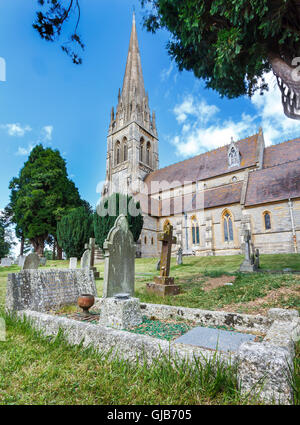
276	183
282	153
205	166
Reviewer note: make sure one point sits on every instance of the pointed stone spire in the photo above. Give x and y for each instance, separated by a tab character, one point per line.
132	101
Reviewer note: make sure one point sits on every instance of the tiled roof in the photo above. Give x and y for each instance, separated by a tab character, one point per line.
272	184
282	153
204	166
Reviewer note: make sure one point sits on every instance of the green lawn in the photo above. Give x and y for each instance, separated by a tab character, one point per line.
37	370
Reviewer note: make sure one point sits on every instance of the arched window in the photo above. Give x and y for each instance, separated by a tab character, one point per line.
125	149
152	241
148	153
145	240
118	153
267	220
227	226
142	149
195	231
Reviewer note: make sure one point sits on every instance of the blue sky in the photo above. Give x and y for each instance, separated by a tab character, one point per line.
47	99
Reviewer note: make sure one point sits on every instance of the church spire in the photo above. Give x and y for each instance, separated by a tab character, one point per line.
133	104
133	83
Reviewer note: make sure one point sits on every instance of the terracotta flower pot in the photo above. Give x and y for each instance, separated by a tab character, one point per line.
86	301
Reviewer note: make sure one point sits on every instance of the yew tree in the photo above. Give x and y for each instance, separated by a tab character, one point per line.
232	44
41	195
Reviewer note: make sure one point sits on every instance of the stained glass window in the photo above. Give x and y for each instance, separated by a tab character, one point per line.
267	221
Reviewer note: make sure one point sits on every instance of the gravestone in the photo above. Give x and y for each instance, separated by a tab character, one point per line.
118	308
248	263
179	256
158	265
43	261
44	289
6	262
119	254
214	338
164	284
73	263
256	259
21	260
85	259
88	258
31	261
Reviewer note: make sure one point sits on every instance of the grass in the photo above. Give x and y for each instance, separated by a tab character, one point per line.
39	370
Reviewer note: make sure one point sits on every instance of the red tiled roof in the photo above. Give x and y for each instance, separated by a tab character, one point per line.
274	184
282	153
204	166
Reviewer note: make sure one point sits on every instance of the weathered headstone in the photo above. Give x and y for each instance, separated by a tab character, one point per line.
158	265
21	260
43	261
119	253
179	256
73	263
256	259
85	259
32	261
248	264
43	289
119	309
164	284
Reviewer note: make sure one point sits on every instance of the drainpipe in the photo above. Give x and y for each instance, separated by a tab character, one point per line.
186	232
290	203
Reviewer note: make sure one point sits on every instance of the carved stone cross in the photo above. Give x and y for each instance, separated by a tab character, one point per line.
167	240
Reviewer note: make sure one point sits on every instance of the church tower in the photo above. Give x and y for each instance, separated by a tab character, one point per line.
132	142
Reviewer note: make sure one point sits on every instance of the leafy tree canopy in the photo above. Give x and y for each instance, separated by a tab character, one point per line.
49	24
231	44
41	195
4	243
109	209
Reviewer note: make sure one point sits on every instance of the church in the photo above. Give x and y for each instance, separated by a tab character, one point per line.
209	199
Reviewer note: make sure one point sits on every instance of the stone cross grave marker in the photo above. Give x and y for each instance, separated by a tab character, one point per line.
167	240
119	248
179	256
32	261
247	265
164	284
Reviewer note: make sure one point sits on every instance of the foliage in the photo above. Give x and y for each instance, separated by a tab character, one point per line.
49	24
228	44
4	244
74	230
41	195
108	211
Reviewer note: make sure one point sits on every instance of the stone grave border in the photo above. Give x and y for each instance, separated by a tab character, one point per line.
263	367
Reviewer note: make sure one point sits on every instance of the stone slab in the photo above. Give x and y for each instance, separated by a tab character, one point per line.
44	289
162	290
214	339
120	313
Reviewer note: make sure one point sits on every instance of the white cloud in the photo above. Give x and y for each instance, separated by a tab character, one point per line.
16	129
47	133
24	151
166	72
276	126
203	127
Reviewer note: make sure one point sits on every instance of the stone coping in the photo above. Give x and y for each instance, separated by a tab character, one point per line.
242	322
264	368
